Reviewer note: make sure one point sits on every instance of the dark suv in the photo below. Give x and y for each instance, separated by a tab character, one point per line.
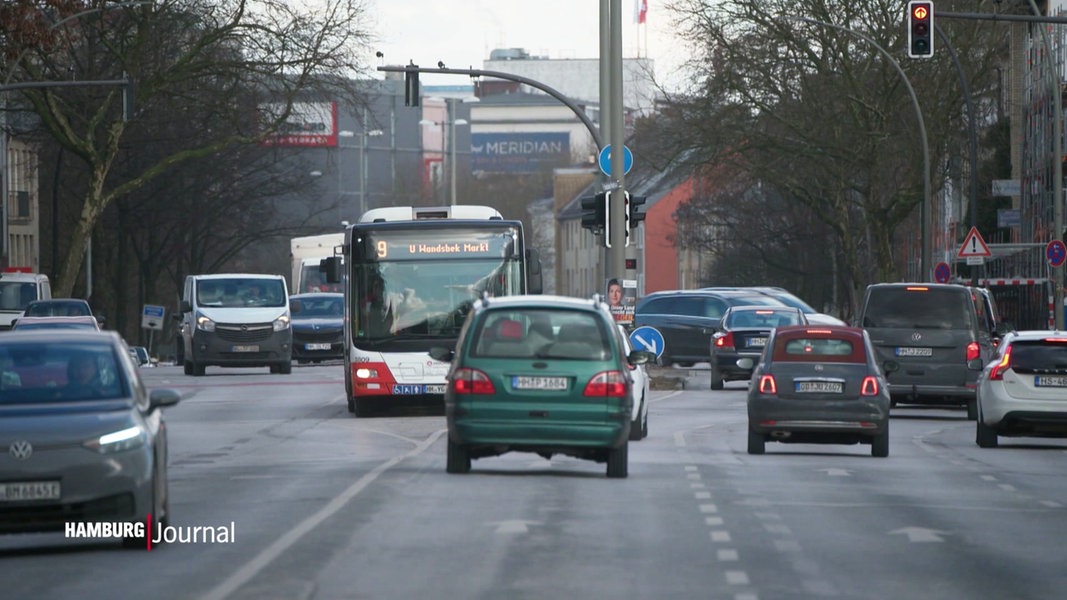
941	335
688	318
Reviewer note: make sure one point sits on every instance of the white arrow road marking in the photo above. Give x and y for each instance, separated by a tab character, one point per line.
920	534
836	472
650	345
513	526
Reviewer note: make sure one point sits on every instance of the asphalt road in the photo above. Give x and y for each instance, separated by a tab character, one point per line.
327	506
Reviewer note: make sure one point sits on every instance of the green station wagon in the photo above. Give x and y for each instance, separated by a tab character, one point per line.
541	374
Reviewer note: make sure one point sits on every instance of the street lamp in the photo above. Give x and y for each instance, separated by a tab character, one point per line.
362	163
451	123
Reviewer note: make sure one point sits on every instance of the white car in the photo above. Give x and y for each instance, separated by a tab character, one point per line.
1021	392
639	424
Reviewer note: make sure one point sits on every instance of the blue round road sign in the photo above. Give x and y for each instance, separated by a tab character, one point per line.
605	160
1056	253
942	273
648	339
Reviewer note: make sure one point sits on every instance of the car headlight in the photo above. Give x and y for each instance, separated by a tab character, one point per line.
204	324
281	323
118	441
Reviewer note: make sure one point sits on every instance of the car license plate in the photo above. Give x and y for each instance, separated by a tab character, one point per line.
912	351
316	346
829	387
1050	381
246	349
757	342
521	382
29	490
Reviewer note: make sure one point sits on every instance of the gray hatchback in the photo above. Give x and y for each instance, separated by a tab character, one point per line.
83	440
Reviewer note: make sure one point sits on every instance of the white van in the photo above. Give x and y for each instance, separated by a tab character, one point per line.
16	291
235	320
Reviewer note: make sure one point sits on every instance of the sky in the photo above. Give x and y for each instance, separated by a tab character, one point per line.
461	33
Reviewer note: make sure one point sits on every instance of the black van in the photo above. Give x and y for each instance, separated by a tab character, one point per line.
939	335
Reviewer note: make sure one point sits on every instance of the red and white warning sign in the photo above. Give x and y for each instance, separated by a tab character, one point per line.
973	245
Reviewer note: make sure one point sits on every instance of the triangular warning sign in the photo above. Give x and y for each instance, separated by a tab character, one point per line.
973	245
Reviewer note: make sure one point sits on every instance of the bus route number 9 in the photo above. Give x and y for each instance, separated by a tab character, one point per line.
383	249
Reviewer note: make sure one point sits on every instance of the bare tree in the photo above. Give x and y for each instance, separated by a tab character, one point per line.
248	53
823	119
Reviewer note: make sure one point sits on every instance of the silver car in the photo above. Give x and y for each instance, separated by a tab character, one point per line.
639	388
1023	390
81	439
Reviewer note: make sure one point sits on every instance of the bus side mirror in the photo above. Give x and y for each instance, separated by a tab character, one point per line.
331	266
534	280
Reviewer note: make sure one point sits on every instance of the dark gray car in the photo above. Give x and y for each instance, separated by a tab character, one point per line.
84	440
939	335
688	318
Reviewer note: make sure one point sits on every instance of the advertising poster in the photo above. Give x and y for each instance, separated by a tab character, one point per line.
622	296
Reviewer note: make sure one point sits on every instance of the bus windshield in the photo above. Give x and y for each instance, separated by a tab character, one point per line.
425	298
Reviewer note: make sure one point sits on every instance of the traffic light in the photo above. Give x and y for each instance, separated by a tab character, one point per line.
920	29
594	212
633	215
411	85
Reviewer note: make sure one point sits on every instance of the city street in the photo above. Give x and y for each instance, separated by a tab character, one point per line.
324	505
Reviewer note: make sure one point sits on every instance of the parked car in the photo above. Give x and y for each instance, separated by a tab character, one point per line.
542	374
1022	391
318	326
742	333
639	387
84	322
687	319
140	356
60	307
939	335
819	384
789	299
83	437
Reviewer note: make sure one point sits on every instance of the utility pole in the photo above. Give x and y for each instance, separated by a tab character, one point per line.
616	264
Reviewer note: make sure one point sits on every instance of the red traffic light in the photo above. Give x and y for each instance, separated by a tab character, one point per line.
919	12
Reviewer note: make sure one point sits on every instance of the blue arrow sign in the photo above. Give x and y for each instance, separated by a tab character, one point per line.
605	160
648	339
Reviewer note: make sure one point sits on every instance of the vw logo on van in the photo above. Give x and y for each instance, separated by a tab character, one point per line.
915	337
20	449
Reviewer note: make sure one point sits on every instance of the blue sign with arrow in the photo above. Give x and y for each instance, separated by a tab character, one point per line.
605	160
648	339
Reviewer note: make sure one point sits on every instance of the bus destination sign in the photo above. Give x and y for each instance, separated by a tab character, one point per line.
393	246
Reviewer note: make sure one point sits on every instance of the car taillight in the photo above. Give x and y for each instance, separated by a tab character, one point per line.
973	351
997	373
766	385
611	384
725	340
472	381
869	387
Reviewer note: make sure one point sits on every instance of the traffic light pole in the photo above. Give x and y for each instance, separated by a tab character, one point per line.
616	263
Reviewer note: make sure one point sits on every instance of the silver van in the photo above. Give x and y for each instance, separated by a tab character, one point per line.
18	289
939	335
235	320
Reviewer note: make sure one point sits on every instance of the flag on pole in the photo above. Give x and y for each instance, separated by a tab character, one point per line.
640	11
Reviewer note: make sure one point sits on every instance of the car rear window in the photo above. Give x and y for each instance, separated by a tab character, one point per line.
764	317
1039	355
805	347
918	307
541	333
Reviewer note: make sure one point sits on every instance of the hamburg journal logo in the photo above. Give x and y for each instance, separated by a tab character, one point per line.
160	534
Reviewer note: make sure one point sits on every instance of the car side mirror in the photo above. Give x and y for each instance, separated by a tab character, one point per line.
890	366
975	364
161	397
442	354
640	357
746	363
185	306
